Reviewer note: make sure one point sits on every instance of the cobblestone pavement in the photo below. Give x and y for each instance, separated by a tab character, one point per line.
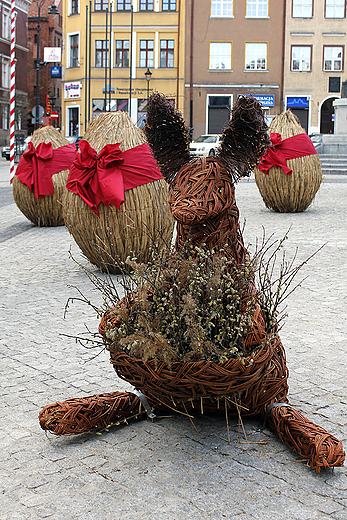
164	470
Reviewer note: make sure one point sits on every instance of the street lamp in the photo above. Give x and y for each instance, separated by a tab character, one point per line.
52	11
148	75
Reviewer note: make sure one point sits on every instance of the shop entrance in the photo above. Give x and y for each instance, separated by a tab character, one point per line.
218	113
326	117
73	121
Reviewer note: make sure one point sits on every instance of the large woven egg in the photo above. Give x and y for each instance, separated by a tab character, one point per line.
143	220
290	193
47	211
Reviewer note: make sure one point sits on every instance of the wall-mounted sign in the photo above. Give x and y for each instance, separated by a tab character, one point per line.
297	102
52	54
266	101
55	72
72	90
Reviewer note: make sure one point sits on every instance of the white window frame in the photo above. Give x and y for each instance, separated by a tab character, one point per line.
68	54
5	72
258	5
218	56
334	6
5	117
231	96
222	8
301	58
67	115
300	8
333	59
256	56
70	8
6	24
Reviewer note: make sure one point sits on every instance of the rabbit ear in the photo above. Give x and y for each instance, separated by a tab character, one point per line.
245	138
167	135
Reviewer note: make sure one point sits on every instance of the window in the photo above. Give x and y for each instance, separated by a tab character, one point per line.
123	5
168	5
74	7
73	61
100	5
256	56
333	59
302	9
335	8
220	56
146	5
167	53
101	48
301	58
5	117
122	53
222	8
257	8
6	24
6	73
146	53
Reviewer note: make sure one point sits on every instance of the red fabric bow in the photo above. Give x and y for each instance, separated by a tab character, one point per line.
37	165
290	148
105	176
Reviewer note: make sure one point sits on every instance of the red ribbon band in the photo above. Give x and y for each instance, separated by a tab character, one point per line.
105	176
37	165
290	148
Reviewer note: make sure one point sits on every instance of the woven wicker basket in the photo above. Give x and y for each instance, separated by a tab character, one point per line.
143	219
290	193
47	211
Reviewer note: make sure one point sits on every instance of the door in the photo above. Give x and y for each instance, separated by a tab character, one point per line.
302	115
218	113
73	121
326	117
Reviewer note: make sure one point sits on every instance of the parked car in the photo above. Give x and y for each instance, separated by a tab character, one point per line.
75	139
21	147
5	151
205	145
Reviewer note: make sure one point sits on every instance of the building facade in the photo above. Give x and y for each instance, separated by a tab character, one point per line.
233	48
21	50
315	54
116	54
51	35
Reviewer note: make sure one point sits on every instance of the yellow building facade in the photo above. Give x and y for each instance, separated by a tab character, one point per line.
116	54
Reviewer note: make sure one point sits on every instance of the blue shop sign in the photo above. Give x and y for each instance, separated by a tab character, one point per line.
55	72
297	102
266	101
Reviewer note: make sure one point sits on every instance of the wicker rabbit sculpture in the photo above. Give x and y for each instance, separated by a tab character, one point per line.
202	201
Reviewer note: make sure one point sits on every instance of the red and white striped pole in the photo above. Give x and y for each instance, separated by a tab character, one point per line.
12	86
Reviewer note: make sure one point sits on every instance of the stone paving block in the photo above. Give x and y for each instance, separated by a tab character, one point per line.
164	470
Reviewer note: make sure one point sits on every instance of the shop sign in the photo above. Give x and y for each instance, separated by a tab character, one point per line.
55	72
72	90
52	54
297	102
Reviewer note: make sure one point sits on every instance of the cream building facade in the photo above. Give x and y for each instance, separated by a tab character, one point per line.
118	72
315	55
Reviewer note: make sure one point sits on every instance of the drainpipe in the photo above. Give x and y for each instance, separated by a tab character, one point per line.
191	68
178	52
283	51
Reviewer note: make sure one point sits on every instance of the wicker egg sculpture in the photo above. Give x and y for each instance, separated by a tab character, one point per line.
290	174
107	234
39	185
